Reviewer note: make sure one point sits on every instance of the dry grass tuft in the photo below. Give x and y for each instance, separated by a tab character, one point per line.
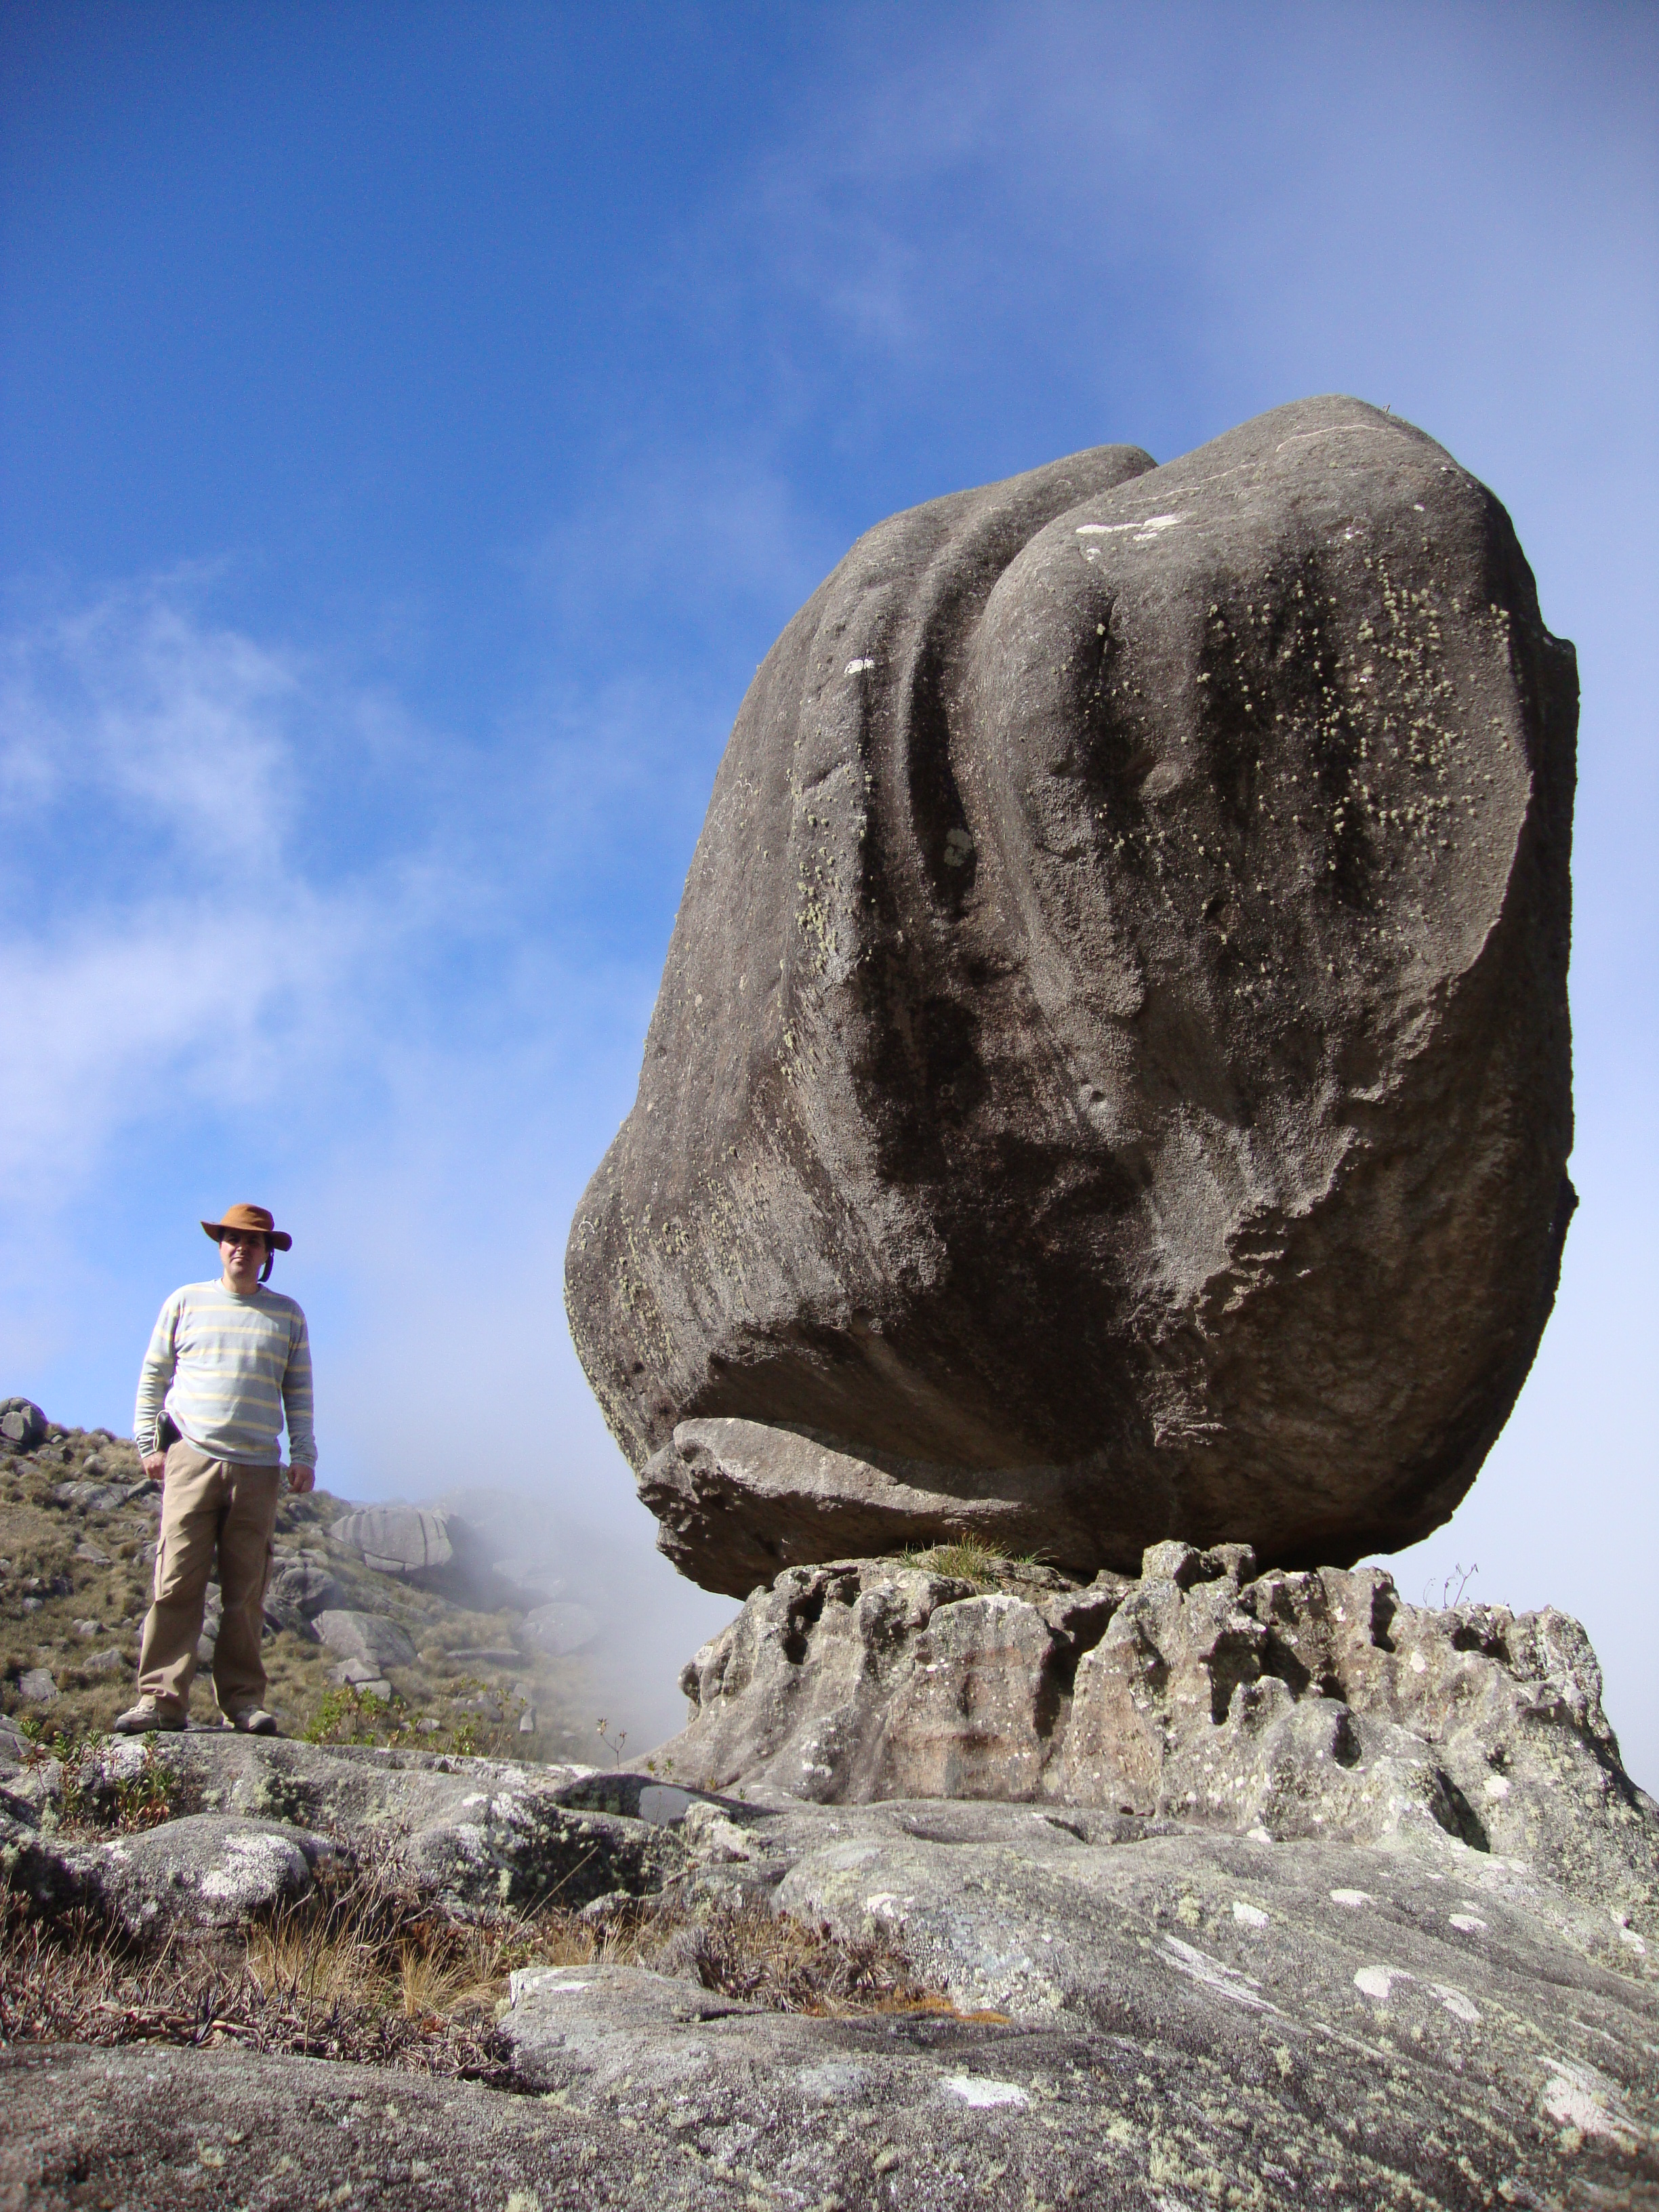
316	1984
967	1559
367	1967
783	1964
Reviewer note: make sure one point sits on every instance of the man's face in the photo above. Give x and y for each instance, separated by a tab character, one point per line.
243	1255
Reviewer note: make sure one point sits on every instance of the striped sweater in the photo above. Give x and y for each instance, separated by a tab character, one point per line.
226	1369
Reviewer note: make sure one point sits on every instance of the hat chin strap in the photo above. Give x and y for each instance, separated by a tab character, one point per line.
265	1271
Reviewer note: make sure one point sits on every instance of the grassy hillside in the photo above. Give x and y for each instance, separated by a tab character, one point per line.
75	1584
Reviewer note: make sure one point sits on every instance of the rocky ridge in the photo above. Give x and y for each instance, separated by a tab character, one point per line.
1211	1887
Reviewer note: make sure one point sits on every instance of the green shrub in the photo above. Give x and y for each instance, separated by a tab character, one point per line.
347	1716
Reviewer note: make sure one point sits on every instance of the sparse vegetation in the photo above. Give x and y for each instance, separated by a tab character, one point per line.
602	1729
968	1560
369	1967
349	1715
75	1585
76	1981
1452	1588
90	1799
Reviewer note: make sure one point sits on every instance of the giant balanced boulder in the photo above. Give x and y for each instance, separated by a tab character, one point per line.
1111	1077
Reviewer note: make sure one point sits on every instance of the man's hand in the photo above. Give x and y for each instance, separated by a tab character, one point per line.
302	1478
155	1465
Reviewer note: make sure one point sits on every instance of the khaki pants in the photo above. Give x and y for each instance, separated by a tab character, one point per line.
209	1506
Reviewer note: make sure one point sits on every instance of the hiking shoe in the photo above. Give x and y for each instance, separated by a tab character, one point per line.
254	1720
145	1716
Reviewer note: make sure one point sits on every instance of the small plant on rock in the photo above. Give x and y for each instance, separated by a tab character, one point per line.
88	1796
1460	1575
602	1729
966	1559
148	1798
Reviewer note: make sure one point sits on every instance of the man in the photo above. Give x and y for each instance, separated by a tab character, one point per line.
226	1362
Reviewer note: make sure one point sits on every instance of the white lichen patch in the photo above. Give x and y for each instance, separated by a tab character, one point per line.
256	1868
1375	1982
982	2094
1458	2004
887	1907
1577	2098
1226	1981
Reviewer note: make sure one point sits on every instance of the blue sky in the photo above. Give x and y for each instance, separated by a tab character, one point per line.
416	421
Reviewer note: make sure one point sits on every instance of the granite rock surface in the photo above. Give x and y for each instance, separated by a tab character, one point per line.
1131	2012
475	1832
1111	1068
207	1871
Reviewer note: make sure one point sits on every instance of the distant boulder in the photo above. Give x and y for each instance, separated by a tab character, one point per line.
99	1497
532	1580
398	1539
369	1636
559	1629
303	1589
23	1423
363	1676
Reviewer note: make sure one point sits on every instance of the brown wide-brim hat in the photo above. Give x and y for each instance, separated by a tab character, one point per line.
247	1220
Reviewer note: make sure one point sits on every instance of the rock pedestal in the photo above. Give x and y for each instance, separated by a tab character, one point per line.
1110	1076
1280	1705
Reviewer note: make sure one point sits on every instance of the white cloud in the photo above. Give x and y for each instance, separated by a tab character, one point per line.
132	704
397	1025
157	935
